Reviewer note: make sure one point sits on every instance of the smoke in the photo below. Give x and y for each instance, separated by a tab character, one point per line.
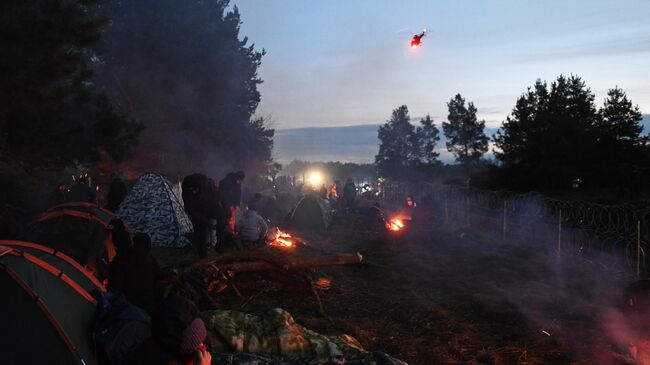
182	69
568	283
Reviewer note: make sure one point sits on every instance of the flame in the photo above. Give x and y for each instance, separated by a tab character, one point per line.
282	239
395	224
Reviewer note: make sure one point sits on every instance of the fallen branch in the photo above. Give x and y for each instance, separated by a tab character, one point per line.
343	259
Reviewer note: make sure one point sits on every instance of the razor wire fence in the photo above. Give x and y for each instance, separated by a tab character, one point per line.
611	235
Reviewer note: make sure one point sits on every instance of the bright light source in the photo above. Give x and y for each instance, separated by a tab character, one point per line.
315	179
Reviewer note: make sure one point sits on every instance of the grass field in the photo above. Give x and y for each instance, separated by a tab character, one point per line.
444	296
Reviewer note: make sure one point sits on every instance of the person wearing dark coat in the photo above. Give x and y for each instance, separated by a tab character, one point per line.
120	264
349	194
138	274
230	195
197	206
116	194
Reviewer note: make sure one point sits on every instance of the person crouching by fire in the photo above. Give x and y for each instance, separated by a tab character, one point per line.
251	228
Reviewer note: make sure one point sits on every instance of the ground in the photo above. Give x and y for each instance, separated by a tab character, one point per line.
447	296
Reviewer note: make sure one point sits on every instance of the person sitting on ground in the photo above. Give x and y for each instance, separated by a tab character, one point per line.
372	218
177	336
252	227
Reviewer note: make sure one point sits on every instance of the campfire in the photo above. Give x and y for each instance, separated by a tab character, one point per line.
395	224
282	239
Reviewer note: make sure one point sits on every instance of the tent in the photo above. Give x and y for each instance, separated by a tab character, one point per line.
78	229
152	207
311	212
48	310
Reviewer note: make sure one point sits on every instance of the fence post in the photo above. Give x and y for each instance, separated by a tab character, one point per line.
559	235
469	218
638	249
446	207
505	209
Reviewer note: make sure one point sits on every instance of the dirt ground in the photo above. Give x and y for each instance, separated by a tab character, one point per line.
445	296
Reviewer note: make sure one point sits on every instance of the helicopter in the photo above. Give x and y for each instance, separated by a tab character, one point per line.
416	41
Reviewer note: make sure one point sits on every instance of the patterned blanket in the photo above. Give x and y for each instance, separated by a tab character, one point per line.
277	339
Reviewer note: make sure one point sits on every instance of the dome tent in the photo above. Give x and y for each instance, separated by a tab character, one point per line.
49	299
152	207
311	212
78	229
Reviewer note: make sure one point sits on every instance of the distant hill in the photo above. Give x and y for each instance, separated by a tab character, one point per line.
357	143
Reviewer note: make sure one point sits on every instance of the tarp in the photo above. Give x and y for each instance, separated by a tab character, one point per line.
48	310
152	207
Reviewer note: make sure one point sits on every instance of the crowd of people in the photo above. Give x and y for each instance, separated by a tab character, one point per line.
220	221
213	209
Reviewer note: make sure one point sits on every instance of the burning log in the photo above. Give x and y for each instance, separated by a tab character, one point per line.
395	224
282	239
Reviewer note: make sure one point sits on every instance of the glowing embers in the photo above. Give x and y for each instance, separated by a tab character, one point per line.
395	224
282	239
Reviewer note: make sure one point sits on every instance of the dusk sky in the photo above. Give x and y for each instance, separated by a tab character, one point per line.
336	63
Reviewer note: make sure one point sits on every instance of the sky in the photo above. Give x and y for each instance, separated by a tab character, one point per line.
347	62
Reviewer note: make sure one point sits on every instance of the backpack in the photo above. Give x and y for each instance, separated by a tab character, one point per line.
120	328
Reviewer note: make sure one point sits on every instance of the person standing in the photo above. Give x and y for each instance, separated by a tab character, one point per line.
116	194
349	194
230	195
197	207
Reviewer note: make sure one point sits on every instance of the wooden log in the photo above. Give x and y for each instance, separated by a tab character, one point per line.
342	259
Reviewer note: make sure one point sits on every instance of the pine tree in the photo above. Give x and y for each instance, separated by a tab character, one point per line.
466	138
619	120
51	113
556	134
396	145
427	137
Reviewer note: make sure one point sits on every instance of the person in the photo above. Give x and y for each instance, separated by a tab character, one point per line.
116	193
349	194
81	191
58	195
230	195
323	192
252	227
177	336
120	264
372	218
196	204
272	210
213	214
137	274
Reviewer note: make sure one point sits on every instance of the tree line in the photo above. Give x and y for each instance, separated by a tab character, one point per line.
555	138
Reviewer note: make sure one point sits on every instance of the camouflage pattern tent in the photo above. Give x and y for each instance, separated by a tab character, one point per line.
152	207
